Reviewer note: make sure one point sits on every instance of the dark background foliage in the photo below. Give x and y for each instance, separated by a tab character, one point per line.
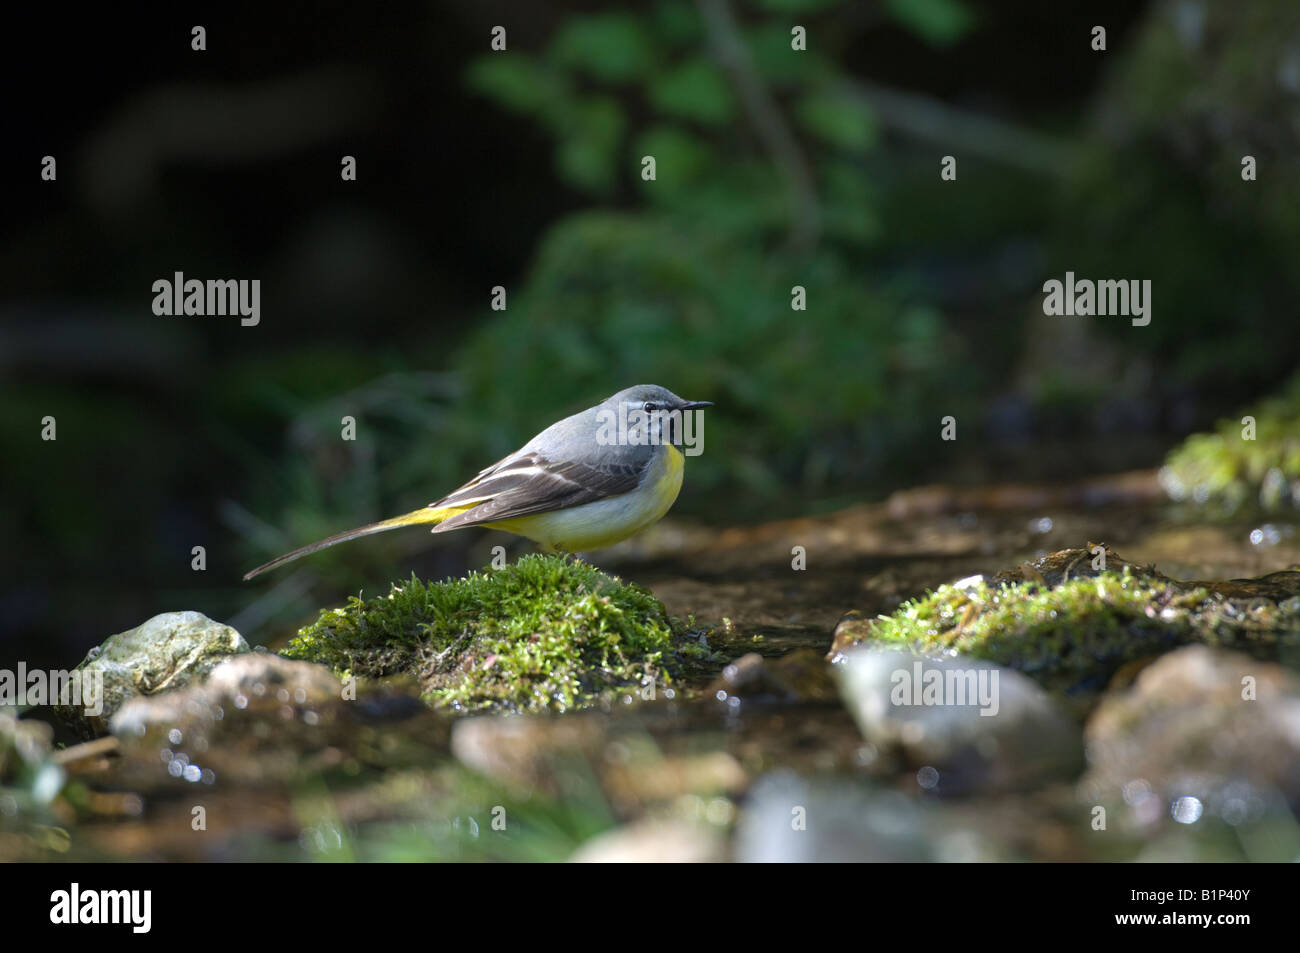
522	170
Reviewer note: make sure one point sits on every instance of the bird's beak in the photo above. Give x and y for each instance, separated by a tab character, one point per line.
696	404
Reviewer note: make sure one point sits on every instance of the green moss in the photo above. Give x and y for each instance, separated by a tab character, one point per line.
1225	471
1072	628
548	632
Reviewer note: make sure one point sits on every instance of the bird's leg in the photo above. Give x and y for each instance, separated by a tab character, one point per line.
565	554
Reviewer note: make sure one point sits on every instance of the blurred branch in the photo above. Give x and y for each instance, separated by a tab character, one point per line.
958	131
768	122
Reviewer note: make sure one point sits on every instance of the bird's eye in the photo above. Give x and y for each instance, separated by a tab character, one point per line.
648	407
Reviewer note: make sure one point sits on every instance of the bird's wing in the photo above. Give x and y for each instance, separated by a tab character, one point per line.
528	483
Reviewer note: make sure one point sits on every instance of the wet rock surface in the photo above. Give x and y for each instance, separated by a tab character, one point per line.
962	725
256	678
169	651
800	675
655	842
1071	619
257	756
790	819
1202	738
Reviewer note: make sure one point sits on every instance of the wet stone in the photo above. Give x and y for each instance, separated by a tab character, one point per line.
169	651
555	756
235	683
1202	738
655	842
790	819
1072	618
802	675
961	725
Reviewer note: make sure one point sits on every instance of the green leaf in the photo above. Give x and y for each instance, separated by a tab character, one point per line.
587	152
695	90
611	47
838	120
517	82
777	63
848	205
679	158
938	22
678	23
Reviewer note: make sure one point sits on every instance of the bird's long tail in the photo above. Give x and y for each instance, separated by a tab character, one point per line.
425	515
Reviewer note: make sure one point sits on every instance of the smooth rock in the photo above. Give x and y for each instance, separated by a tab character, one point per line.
655	842
233	682
169	651
790	819
801	675
1186	745
964	725
558	756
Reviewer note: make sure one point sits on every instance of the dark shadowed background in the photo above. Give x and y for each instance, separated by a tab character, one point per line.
521	169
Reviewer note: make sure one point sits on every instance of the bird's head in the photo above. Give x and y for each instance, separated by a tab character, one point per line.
651	414
650	398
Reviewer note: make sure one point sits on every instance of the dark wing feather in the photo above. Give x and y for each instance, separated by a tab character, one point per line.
530	484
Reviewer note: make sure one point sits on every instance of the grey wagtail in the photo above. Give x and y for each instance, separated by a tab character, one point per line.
585	482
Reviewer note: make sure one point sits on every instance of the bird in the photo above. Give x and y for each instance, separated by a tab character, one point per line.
586	482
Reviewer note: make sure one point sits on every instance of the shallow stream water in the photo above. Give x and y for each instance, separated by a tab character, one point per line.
754	723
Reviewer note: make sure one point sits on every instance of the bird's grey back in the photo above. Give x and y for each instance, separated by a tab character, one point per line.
575	437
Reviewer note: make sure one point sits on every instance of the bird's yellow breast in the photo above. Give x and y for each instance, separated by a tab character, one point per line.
612	520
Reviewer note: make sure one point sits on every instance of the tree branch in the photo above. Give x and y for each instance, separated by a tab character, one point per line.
772	129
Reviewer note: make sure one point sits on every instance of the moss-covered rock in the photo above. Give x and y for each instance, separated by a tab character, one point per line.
1231	467
548	632
1072	624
